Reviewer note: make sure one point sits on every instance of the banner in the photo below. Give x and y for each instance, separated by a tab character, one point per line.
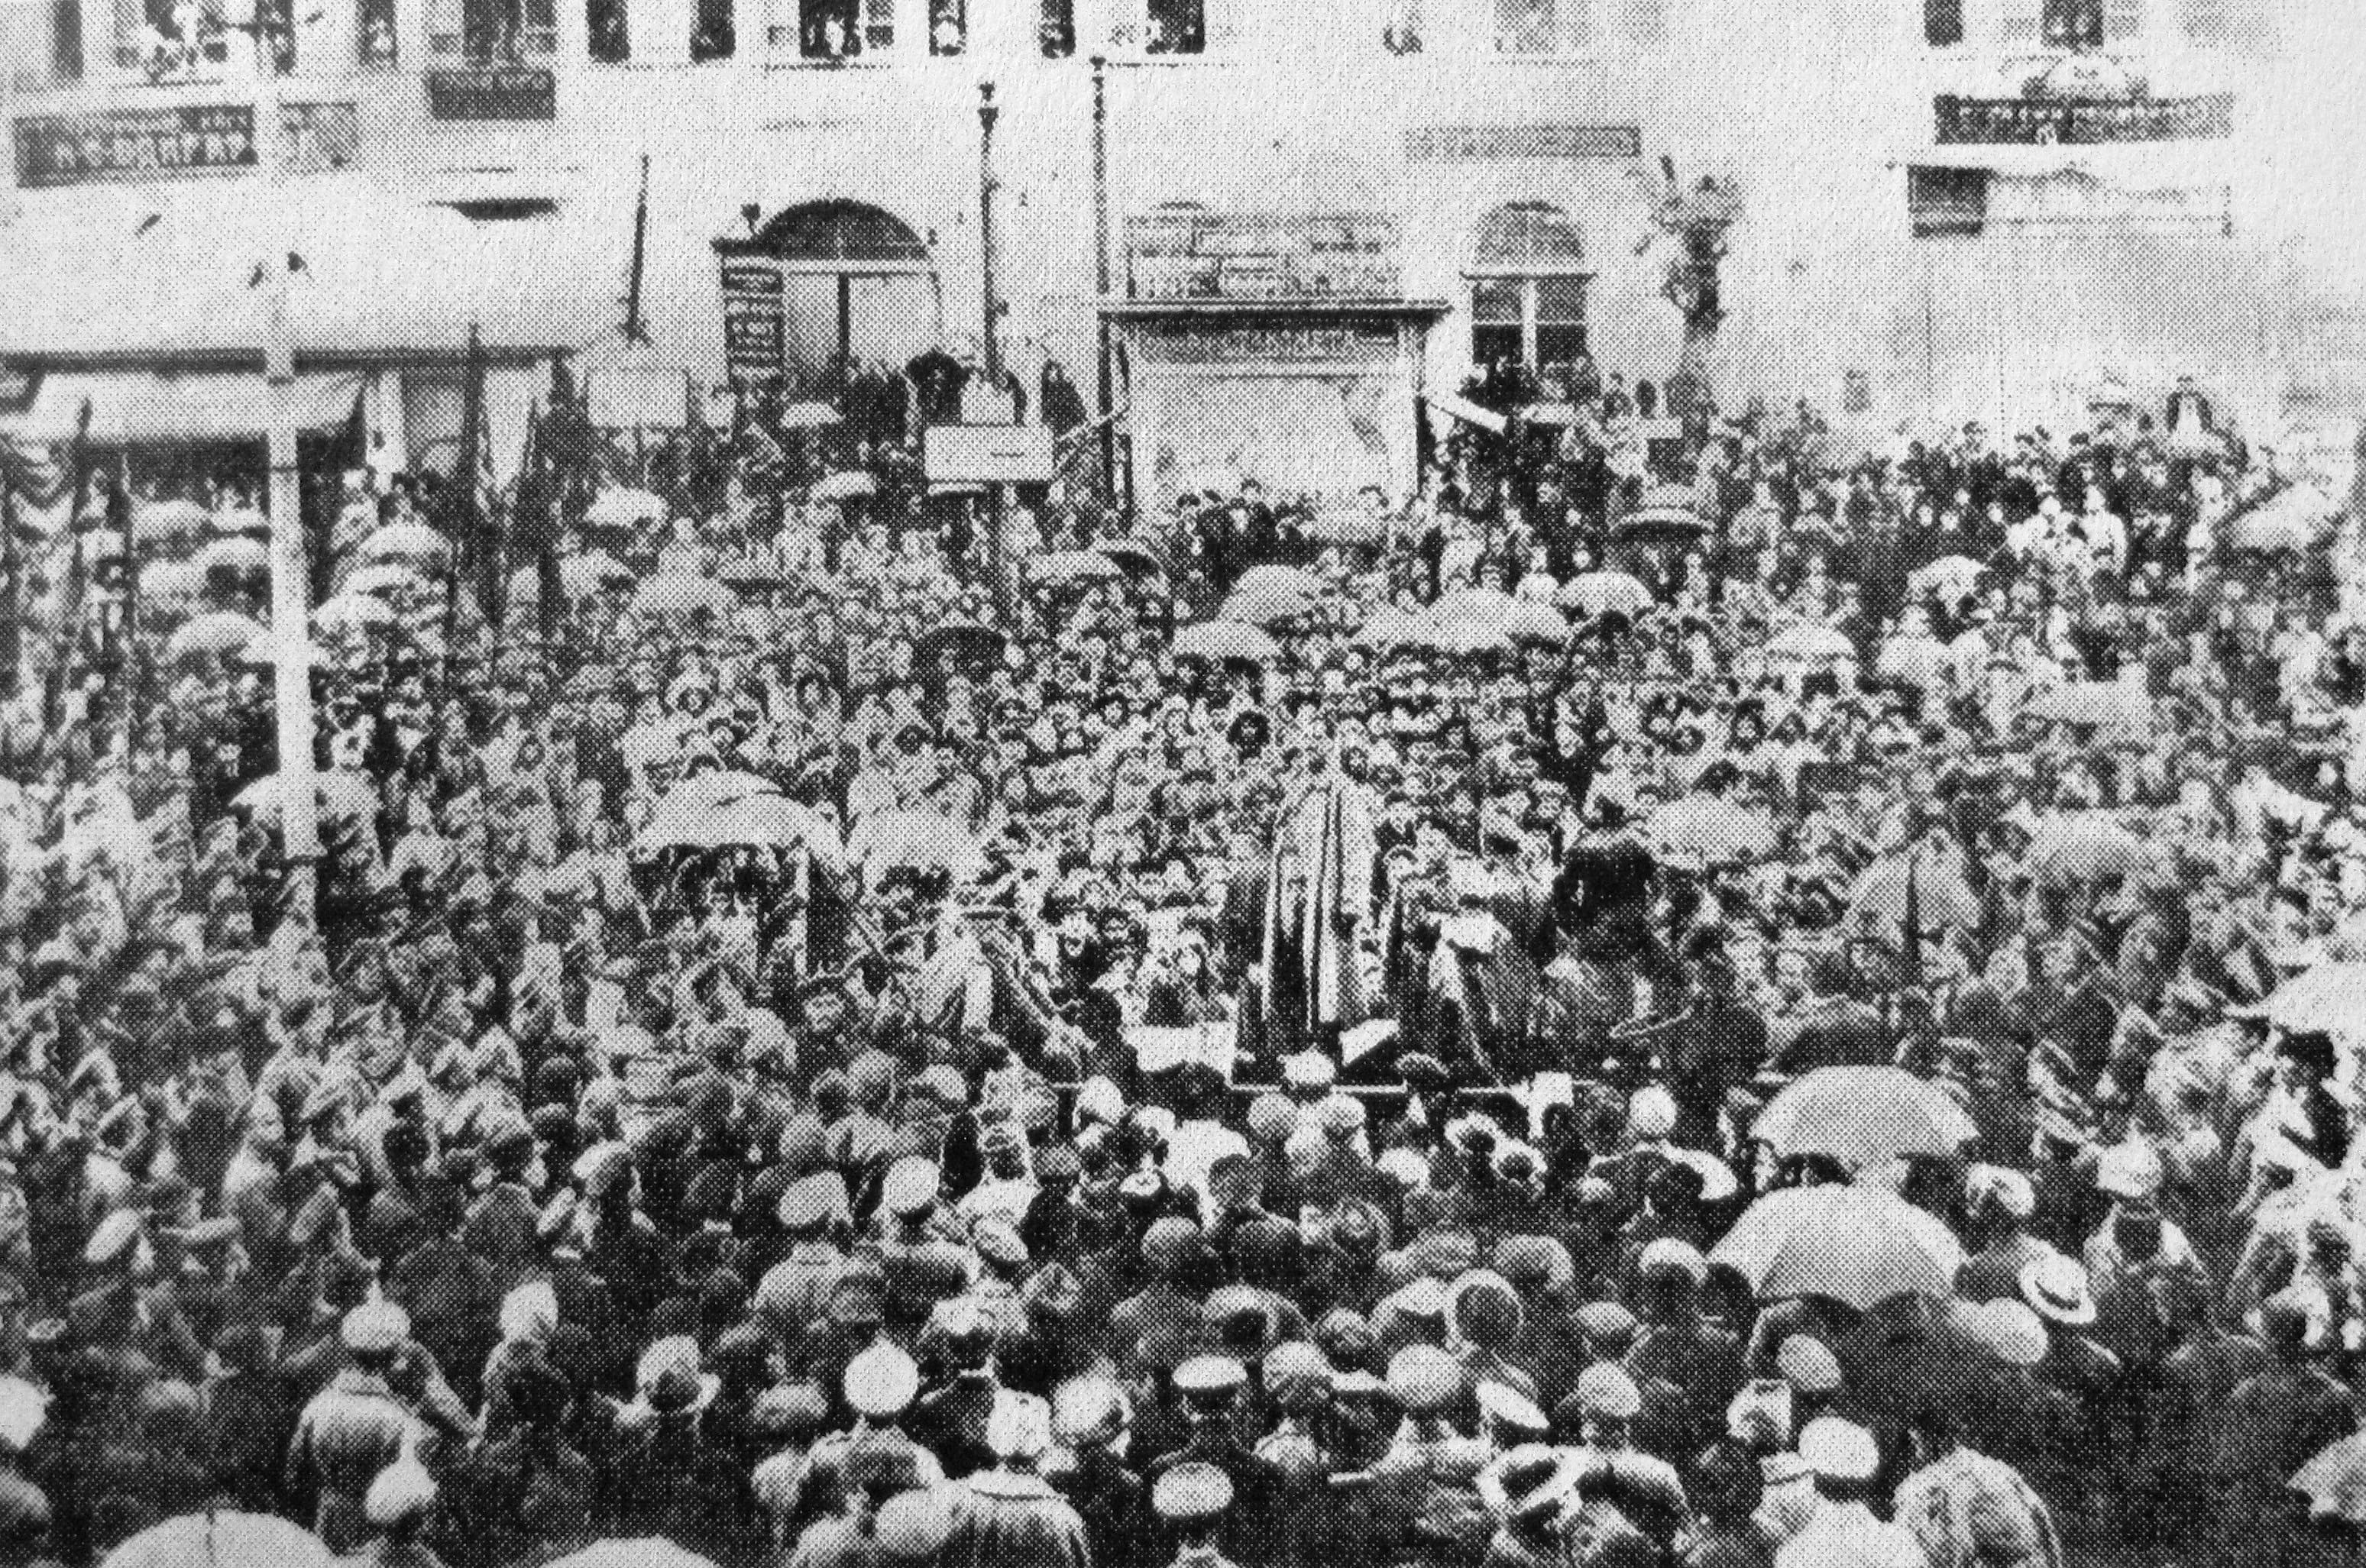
493	92
2081	121
182	141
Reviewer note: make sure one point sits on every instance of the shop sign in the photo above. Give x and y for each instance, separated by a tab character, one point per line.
493	92
181	141
989	454
755	326
1272	345
2046	121
1188	252
1502	143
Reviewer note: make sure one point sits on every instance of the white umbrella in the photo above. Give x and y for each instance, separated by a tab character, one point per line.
1600	593
681	595
625	507
237	554
406	542
1811	645
171	520
851	485
1225	640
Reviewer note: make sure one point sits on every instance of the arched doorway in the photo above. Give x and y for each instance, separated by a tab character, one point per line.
853	284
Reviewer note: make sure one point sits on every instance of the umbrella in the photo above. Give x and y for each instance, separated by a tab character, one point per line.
1536	624
102	544
681	595
718	787
240	520
1952	576
1915	659
1863	1116
1941	896
171	520
1343	526
172	579
1063	567
1811	645
1389	627
383	576
231	1540
1667	512
583	575
958	638
2084	848
807	416
1465	639
353	611
2330	998
1137	558
1709	830
1280	580
1598	593
2335	1481
406	542
763	820
217	631
2107	704
915	841
1858	1245
1225	640
2292	520
852	485
340	794
626	508
237	554
649	1552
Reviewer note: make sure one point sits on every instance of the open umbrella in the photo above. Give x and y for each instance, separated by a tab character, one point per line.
1863	1116
216	631
243	520
1465	639
1137	559
958	639
383	576
915	841
406	542
1269	606
1950	577
1940	896
1598	593
1486	606
625	507
682	595
1390	627
353	612
851	485
2291	519
649	1552
1858	1245
764	820
340	794
2329	998
2333	1481
238	554
1915	659
1810	644
1063	567
2105	704
1225	640
1342	525
171	520
807	416
2084	847
1538	624
216	1540
1709	830
172	580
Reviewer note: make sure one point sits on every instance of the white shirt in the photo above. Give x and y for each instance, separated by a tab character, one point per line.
1846	1535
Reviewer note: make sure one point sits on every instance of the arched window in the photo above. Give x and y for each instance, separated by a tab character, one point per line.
1528	286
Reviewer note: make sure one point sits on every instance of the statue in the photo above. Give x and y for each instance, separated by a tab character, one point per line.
1695	218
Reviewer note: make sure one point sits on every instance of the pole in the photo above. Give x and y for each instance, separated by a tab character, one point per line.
131	678
634	332
1104	379
300	827
12	563
997	554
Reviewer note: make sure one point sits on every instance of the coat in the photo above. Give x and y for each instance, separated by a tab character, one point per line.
1005	1518
350	1431
1970	1511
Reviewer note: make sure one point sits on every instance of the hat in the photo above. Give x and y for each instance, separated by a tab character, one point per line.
1424	1379
1536	1261
1297	1376
1171	1245
1607	1389
1018	1427
910	1185
882	1382
813	1200
402	1491
1309	1071
670	1381
24	1409
1608	1325
1668	1255
1089	1410
2009	1193
530	1311
1509	1410
2059	1288
1191	1493
1651	1112
2130	1169
1209	1377
1839	1451
601	1167
942	1084
112	1241
1272	1118
2012	1333
1098	1100
998	1241
1809	1365
375	1327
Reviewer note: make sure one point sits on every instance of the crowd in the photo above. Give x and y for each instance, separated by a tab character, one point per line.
1760	1004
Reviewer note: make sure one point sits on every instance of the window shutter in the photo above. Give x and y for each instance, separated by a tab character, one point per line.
2017	23
1943	22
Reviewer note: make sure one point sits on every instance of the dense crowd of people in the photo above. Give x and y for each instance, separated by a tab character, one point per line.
1723	1001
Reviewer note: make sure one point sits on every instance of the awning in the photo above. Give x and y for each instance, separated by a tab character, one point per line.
143	408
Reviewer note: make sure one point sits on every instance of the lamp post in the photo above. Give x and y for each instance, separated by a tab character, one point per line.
299	828
1104	380
996	551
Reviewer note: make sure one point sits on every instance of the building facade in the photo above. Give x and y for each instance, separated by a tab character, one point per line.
1284	222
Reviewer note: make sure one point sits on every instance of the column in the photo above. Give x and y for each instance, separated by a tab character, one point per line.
574	35
751	27
410	34
660	30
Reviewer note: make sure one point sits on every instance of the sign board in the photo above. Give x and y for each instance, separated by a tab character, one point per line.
990	454
1498	143
2080	122
493	92
1254	342
755	322
179	141
1187	252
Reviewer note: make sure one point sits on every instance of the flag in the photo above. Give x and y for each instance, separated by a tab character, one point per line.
471	520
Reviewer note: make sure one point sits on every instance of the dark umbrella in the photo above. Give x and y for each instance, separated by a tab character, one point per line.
958	637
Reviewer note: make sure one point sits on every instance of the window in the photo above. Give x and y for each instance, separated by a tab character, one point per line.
716	36
1175	27
493	31
1942	23
845	29
610	31
1055	28
1942	203
948	27
170	40
1527	287
1542	26
2073	24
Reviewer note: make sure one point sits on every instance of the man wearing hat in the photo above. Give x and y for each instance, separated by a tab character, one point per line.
789	1295
1843	1532
1427	1482
1677	1344
354	1427
1607	1404
1092	1417
1210	1389
879	1387
1998	1207
1010	1517
1191	1501
920	1247
1967	1509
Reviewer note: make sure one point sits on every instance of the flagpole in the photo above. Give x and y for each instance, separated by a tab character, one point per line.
53	679
131	677
12	561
